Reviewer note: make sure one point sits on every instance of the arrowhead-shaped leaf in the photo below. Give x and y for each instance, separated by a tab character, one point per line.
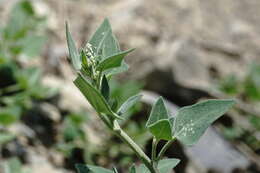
73	52
129	103
109	45
166	165
99	35
113	61
192	121
93	96
158	122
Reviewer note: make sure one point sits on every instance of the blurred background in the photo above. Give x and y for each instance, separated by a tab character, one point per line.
186	51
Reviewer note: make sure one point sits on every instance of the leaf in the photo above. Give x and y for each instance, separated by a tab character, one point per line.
158	122
166	165
96	169
5	138
113	61
192	121
32	45
99	35
82	168
105	88
142	169
132	169
9	115
20	21
73	52
109	45
110	72
129	103
93	96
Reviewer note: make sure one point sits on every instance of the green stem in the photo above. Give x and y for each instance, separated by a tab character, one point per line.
154	161
139	152
164	149
154	146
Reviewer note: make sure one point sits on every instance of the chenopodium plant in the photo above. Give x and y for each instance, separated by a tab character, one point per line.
101	59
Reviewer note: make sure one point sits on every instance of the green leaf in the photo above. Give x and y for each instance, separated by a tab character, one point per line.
129	103
83	168
110	72
73	52
132	169
5	138
93	96
105	87
142	169
9	115
32	45
109	45
158	122
96	169
113	61
21	20
166	165
192	121
99	35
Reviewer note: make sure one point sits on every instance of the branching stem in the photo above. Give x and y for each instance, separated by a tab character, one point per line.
139	152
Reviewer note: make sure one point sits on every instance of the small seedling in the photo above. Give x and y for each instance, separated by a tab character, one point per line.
100	60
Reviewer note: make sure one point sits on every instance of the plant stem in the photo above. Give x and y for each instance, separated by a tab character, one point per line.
154	161
154	146
139	152
165	147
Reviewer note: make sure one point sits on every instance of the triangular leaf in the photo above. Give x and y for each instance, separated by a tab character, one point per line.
109	45
192	121
161	129
113	61
93	96
73	52
158	122
166	165
129	103
99	35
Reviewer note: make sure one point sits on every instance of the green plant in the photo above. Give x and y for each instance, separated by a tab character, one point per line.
21	40
101	59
